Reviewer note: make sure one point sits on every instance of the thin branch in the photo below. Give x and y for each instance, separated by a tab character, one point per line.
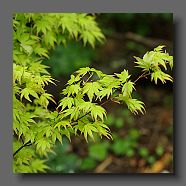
146	41
144	75
89	77
106	101
25	145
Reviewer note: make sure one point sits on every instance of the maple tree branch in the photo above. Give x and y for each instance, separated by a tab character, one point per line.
25	145
144	75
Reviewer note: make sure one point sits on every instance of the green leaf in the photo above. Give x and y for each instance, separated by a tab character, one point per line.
71	90
83	71
85	106
97	111
135	105
161	76
103	129
143	152
39	165
159	48
25	93
49	38
87	130
91	89
109	81
28	49
64	124
123	76
66	132
43	100
66	102
43	146
41	51
73	79
72	112
128	88
105	92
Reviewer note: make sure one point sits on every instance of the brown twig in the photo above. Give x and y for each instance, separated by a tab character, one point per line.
149	42
101	167
144	75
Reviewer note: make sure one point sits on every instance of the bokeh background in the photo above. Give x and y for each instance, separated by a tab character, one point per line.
141	143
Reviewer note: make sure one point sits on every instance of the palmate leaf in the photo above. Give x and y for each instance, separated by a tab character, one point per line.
161	76
71	90
38	165
97	112
73	113
42	80
86	106
37	67
65	124
134	105
25	93
91	89
109	81
44	100
141	64
27	48
43	25
127	88
99	73
159	48
41	51
73	79
85	129
123	76
34	36
66	102
43	146
153	59
83	71
102	129
66	132
56	135
105	92
49	38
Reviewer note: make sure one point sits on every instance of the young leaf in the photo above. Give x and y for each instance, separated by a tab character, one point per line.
64	124
98	111
91	89
66	102
102	129
135	105
26	91
123	76
128	88
83	71
161	76
71	90
87	130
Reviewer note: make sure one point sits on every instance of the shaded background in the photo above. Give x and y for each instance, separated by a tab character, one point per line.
141	143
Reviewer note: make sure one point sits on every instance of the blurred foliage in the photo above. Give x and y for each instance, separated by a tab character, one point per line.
140	23
64	60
